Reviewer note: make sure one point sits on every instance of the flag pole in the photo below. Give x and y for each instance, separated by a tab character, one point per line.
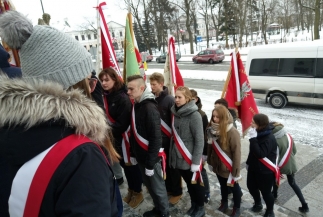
98	34
225	87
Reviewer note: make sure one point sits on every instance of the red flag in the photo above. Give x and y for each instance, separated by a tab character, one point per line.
108	54
239	94
176	76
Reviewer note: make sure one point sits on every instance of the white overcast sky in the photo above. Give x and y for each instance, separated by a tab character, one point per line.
73	10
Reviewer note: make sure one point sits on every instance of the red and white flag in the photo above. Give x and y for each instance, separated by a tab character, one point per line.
238	92
173	77
108	54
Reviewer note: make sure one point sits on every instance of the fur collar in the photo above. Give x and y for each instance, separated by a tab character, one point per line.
32	102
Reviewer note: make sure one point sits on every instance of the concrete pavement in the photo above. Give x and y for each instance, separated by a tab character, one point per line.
309	178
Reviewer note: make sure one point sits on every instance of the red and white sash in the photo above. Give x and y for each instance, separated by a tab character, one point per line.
270	165
125	144
288	152
145	143
166	129
225	160
186	155
32	179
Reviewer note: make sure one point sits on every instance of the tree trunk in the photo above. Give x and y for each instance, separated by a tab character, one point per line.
187	4
215	26
317	20
207	30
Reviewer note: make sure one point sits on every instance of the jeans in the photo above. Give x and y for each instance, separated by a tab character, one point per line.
156	187
292	183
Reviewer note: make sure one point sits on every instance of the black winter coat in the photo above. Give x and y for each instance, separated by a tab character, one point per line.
205	123
119	106
165	102
147	120
264	145
64	195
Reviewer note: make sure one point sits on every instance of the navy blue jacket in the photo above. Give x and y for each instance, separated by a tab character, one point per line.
11	71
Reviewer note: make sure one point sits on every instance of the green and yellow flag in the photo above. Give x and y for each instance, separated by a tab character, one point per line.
130	66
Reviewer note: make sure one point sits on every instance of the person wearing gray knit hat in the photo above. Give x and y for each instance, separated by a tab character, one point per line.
45	52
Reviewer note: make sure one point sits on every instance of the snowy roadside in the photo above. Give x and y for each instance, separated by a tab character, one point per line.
304	124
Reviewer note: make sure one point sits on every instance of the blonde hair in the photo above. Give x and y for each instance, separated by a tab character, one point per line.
186	92
223	123
84	86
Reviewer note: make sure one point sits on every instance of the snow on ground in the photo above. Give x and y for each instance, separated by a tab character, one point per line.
196	74
302	122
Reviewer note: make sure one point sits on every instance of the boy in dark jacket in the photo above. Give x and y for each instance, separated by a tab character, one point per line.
165	102
146	142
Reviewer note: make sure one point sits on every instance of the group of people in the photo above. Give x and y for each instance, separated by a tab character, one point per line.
63	133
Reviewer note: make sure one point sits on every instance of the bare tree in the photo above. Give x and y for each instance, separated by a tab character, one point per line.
188	8
215	16
205	11
317	18
89	26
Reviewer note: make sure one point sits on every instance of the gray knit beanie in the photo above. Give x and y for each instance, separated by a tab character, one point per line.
45	52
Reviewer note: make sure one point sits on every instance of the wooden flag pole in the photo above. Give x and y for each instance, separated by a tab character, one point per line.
225	87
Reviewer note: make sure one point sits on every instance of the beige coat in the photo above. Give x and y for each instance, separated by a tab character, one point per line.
233	151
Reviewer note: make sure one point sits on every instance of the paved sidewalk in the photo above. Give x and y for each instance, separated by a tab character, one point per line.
309	178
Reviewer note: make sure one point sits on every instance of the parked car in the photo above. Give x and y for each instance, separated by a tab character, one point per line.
149	57
209	56
120	57
162	57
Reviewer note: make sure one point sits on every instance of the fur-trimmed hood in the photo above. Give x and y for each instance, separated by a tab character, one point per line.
33	102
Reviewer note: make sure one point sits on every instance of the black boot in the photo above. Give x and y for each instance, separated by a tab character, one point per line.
304	208
198	212
165	215
257	207
191	210
223	207
269	213
152	213
275	195
235	212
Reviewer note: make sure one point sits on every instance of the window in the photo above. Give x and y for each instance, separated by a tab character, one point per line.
202	53
298	67
83	38
319	68
89	37
219	51
264	67
113	35
120	33
76	37
95	37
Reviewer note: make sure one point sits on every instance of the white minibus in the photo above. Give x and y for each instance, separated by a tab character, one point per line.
291	72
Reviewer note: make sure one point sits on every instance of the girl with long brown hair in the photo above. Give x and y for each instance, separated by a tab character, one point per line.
224	156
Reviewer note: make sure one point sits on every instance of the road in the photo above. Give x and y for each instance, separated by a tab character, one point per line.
185	65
